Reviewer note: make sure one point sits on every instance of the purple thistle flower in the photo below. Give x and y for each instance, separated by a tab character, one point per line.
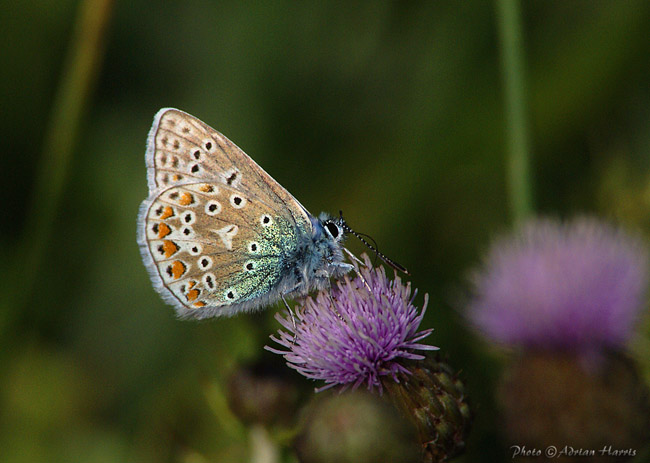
354	335
575	286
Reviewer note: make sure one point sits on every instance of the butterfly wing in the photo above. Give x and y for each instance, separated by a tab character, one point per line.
216	231
182	149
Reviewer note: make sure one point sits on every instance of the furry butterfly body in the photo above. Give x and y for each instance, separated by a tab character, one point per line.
219	235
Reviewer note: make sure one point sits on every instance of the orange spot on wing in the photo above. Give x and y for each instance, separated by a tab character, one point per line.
167	212
199	304
163	230
178	268
186	199
169	247
206	188
192	294
191	284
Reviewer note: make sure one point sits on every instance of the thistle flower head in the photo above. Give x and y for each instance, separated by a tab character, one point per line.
356	333
576	286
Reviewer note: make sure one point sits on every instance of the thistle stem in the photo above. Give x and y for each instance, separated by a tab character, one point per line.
512	66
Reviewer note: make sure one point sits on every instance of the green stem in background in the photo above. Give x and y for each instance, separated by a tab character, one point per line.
518	164
79	75
262	447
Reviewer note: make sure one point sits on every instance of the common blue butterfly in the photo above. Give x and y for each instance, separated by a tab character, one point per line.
218	235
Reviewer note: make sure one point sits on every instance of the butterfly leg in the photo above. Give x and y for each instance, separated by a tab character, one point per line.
293	320
356	270
329	293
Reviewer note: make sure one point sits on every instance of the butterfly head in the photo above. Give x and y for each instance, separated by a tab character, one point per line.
334	228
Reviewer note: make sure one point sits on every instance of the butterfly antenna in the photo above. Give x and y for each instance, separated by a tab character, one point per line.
374	243
385	259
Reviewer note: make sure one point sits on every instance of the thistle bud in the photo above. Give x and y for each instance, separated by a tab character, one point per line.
433	397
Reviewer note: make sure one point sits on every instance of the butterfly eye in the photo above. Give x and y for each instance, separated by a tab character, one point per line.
333	229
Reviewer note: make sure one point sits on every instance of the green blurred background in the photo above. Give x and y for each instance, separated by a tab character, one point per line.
392	112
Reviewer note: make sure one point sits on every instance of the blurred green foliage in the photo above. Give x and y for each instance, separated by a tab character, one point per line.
392	112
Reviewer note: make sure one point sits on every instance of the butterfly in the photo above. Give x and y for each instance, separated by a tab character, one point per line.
218	235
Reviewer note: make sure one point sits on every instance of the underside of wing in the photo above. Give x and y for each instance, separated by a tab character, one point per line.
213	250
182	149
